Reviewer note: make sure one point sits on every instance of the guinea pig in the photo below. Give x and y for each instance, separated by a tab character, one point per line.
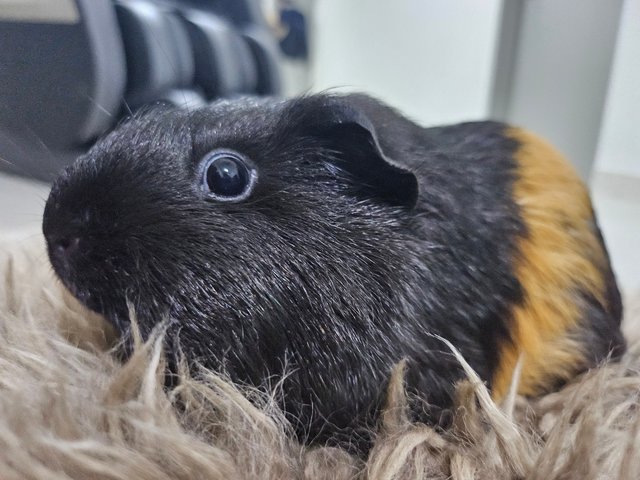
322	239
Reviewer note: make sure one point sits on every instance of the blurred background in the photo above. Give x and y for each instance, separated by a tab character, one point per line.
567	69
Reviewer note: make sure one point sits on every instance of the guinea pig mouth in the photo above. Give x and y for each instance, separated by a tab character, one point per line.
90	299
84	296
94	303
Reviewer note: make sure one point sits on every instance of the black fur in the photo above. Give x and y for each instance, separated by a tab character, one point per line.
365	235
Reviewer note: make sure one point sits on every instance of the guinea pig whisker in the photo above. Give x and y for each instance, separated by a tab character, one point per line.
126	105
39	140
100	107
17	167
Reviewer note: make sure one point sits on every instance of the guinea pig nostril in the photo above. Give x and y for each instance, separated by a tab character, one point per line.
66	246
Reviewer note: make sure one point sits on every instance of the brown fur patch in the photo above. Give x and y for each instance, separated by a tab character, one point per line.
559	259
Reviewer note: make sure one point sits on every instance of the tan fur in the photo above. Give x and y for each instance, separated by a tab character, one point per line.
560	257
70	410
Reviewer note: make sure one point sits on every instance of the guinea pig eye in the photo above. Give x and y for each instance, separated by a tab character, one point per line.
227	176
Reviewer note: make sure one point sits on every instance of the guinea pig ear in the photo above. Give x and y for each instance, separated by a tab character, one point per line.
352	137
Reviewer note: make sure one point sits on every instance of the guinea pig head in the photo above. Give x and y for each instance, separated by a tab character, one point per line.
267	233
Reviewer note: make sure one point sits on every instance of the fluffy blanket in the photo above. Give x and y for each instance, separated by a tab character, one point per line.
69	409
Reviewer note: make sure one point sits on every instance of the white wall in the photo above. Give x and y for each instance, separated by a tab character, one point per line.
619	147
433	59
561	72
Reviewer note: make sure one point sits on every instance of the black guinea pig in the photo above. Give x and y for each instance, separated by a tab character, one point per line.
329	237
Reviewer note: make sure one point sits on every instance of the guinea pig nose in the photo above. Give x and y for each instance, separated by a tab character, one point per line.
66	247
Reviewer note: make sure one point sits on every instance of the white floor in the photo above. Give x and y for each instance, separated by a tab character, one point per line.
616	199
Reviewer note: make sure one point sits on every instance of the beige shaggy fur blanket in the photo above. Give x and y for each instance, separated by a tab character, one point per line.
70	410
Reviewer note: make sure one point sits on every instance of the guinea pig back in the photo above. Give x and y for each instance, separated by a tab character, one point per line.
327	237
